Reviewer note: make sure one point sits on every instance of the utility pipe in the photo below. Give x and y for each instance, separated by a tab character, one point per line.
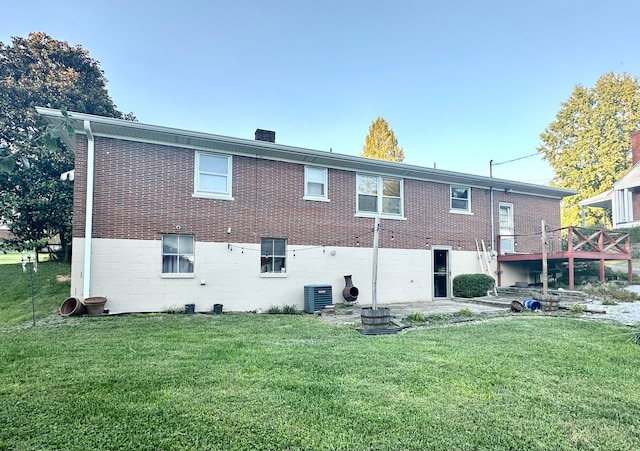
88	217
493	235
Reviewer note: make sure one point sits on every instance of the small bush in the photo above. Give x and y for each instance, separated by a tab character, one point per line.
472	285
290	309
274	309
576	308
465	312
417	317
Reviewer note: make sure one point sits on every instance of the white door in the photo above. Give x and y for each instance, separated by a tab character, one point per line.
507	241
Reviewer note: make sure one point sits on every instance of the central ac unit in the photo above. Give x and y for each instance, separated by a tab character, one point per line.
317	297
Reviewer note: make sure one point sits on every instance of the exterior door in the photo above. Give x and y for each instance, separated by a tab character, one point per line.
441	272
507	241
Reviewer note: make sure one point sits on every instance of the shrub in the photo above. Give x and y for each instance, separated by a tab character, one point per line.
274	309
290	309
576	308
417	317
472	285
465	312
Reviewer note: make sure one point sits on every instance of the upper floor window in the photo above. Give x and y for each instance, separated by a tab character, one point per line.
273	255
379	195
177	254
315	183
461	199
212	175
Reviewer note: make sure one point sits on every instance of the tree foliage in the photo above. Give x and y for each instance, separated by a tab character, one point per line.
588	143
42	71
381	143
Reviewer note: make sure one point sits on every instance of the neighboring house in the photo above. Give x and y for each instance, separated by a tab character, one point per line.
180	217
624	198
5	233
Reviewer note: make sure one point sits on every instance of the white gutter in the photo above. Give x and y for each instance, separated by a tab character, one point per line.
88	220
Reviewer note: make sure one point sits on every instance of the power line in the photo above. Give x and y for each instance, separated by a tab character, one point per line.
515	159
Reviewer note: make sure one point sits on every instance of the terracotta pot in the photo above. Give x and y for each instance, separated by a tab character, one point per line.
72	306
95	305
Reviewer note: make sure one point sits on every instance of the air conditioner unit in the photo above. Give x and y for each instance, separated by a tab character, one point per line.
317	297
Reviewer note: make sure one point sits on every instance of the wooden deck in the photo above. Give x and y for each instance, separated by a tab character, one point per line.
587	245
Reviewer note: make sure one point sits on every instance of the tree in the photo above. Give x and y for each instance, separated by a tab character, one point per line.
381	143
588	143
41	71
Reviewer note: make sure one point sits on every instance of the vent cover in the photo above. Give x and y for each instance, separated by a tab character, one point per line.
317	297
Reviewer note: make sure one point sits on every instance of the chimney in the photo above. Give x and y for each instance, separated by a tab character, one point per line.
635	146
270	136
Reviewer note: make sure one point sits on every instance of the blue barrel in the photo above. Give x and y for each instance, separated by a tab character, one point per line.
532	304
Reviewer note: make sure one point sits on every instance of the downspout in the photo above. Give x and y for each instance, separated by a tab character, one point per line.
493	242
493	235
88	215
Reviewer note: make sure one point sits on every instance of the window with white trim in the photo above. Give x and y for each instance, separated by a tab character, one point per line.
177	254
212	175
379	195
315	183
273	255
460	199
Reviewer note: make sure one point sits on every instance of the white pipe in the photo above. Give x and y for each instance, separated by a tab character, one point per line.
493	230
88	219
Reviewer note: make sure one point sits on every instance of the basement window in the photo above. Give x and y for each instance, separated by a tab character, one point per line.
177	255
273	255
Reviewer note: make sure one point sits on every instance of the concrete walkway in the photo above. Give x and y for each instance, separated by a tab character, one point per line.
481	305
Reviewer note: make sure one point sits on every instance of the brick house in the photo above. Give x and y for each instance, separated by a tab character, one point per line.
181	217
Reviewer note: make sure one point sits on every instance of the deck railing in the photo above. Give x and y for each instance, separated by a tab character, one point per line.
574	240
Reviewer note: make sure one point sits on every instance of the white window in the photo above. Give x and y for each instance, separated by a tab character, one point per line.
507	240
212	175
273	255
177	254
379	195
460	199
315	183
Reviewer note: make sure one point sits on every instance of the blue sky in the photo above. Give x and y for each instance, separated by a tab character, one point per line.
460	82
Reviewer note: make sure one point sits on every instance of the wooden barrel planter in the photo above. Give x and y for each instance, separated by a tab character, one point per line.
72	306
95	305
549	302
375	318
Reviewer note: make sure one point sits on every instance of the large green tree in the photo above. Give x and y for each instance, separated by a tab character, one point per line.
42	71
381	143
588	143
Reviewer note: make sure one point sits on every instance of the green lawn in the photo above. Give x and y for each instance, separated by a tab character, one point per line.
12	257
272	382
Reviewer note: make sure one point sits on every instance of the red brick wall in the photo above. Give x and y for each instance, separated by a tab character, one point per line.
144	190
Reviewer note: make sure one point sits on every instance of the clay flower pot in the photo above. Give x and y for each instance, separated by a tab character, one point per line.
72	306
95	305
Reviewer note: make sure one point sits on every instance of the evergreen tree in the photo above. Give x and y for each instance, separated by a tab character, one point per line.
588	143
381	143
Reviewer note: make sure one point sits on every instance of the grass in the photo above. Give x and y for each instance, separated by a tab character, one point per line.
51	287
267	382
10	258
15	257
